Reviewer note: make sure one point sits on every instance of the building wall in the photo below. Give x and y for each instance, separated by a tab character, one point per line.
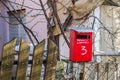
3	28
34	17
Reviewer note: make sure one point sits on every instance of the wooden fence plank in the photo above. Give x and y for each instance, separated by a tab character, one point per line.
105	71
51	61
82	73
89	71
100	71
23	55
111	71
7	60
37	61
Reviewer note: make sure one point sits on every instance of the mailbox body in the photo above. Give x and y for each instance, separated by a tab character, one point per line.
80	45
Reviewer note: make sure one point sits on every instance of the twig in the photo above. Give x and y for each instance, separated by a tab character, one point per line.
20	21
49	28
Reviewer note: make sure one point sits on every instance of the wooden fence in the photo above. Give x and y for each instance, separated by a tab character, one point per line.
8	60
107	69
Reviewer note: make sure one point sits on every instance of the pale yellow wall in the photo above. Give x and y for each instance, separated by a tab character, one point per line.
110	19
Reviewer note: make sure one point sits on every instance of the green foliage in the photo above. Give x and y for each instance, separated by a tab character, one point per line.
60	71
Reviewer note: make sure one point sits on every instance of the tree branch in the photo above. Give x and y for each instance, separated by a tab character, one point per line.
50	26
53	5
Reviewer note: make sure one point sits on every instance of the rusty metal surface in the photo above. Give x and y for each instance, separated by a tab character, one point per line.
51	61
23	55
37	61
7	60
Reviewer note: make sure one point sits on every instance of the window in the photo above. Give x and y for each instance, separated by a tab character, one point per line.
15	28
110	40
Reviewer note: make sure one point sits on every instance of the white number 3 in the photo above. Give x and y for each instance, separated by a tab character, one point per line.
83	48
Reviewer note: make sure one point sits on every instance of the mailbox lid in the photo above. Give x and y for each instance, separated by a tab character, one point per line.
82	29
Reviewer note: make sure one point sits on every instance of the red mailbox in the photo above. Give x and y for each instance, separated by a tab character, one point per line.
81	44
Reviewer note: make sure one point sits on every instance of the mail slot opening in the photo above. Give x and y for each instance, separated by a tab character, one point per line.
83	36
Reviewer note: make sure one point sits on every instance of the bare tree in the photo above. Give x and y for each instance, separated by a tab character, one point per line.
53	19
